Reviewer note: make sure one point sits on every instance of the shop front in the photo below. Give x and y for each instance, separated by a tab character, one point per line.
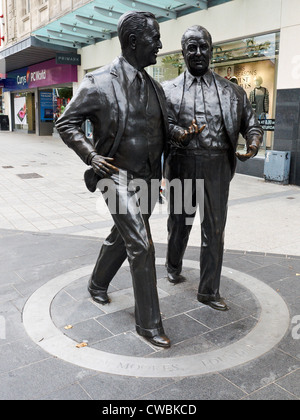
38	95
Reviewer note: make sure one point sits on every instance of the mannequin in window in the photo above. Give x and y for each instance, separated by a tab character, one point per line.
229	75
259	98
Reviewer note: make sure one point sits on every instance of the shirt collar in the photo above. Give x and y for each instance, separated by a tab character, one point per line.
207	78
129	70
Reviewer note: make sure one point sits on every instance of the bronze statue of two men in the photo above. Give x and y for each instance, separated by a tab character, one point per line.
193	121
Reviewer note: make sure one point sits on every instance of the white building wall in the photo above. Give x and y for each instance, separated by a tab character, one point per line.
289	58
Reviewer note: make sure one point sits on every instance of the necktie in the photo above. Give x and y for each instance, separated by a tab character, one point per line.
200	109
142	86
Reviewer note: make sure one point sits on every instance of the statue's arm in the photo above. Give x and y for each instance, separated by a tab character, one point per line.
70	124
250	130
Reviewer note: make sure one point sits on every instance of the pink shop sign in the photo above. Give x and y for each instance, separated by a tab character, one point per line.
49	73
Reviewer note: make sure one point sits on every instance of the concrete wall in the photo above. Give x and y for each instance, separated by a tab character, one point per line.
287	130
289	63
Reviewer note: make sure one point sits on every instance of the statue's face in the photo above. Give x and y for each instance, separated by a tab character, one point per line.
197	51
148	45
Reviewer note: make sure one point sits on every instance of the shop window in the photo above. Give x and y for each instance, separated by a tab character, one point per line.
24	23
24	112
89	130
43	10
61	98
252	64
46	105
25	7
2	109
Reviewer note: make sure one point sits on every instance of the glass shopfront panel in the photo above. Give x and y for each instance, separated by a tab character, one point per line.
61	98
2	109
24	111
252	64
249	62
52	103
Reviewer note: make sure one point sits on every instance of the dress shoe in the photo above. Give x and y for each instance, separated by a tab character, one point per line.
159	340
219	304
99	295
176	278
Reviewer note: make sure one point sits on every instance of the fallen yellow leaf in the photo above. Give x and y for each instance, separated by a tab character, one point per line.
68	327
79	345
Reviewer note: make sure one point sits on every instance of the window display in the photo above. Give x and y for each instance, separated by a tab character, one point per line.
24	112
20	110
61	98
46	105
252	64
259	98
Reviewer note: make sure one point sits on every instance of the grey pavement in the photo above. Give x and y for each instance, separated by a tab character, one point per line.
51	230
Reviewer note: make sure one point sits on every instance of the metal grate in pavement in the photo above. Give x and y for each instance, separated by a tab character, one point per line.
29	176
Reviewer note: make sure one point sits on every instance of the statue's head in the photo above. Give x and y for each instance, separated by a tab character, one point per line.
196	45
139	37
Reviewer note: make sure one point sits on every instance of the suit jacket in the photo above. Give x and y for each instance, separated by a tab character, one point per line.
101	98
237	112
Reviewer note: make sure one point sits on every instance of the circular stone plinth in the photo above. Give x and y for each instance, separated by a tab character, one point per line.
268	331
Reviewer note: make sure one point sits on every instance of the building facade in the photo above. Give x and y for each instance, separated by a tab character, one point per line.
37	87
22	17
255	45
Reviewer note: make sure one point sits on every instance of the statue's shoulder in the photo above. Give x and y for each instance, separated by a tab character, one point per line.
101	77
234	88
170	87
170	84
100	72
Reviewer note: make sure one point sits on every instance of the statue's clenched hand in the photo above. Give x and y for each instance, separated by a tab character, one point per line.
102	167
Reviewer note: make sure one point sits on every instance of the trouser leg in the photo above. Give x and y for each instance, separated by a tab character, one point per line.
178	236
217	175
111	257
113	251
132	233
182	204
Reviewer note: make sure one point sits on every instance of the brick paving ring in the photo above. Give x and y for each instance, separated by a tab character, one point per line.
267	333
